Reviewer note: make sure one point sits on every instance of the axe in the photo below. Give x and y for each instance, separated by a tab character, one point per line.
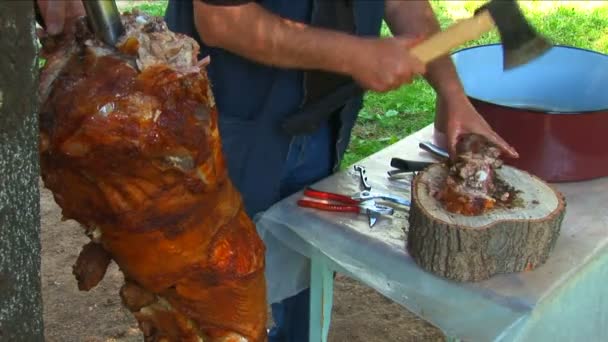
520	44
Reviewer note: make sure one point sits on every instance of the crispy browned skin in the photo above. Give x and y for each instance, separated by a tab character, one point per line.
130	149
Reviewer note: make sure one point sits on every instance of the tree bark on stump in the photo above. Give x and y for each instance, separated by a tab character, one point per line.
474	248
20	297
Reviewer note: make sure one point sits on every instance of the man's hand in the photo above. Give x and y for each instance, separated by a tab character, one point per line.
463	118
57	14
385	64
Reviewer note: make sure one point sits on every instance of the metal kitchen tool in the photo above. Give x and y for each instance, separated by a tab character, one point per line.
434	149
363	177
402	165
407	166
348	204
367	195
104	19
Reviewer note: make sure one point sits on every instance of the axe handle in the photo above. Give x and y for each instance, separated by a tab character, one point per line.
462	32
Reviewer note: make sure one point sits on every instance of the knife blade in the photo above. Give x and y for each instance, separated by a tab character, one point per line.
434	149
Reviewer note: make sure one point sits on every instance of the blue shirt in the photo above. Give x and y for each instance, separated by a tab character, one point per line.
254	99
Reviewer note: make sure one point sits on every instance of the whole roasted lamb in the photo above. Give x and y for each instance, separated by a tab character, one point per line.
130	149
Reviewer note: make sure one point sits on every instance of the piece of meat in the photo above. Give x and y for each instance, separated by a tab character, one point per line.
130	149
91	266
470	186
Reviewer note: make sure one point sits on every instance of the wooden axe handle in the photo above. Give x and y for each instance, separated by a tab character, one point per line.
461	32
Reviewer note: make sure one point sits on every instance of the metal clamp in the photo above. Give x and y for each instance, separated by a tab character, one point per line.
363	177
369	195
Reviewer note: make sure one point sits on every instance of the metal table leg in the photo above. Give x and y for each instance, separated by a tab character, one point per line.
321	298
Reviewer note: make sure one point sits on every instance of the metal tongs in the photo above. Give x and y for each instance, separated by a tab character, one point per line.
104	18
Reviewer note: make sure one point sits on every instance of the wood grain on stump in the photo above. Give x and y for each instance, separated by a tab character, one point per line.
474	248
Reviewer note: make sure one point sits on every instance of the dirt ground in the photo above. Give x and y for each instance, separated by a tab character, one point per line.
359	315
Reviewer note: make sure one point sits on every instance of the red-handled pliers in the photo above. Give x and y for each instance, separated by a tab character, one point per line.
349	204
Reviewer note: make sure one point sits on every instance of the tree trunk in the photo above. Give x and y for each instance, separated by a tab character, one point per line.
474	248
20	297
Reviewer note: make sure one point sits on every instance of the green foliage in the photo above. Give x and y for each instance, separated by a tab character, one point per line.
152	7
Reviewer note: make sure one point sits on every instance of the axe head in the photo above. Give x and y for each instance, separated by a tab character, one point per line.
520	42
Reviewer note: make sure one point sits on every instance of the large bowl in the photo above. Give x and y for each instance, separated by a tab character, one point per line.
553	110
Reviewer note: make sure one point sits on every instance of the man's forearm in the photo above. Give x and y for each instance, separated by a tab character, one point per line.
417	19
253	32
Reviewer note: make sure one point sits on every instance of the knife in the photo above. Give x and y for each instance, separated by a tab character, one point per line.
403	166
434	149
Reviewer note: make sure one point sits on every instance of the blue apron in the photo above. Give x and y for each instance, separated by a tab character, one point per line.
254	99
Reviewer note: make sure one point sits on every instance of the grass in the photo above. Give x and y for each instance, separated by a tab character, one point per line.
388	117
154	7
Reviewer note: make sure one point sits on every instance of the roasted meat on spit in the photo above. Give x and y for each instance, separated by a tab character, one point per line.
130	149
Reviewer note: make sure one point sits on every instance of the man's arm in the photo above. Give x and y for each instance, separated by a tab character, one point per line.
417	19
251	31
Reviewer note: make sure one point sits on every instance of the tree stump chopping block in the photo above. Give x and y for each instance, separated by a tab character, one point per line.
501	240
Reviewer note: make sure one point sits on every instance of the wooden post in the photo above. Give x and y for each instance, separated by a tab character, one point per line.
20	296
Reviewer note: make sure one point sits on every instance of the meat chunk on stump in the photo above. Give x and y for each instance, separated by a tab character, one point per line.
130	149
472	186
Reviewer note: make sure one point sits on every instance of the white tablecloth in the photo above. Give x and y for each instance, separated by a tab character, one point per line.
479	311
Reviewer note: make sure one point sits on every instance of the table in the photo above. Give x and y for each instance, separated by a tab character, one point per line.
564	300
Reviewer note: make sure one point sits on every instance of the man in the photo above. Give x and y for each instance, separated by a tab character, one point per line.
269	58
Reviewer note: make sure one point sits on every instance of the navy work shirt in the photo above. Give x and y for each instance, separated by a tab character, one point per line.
254	99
